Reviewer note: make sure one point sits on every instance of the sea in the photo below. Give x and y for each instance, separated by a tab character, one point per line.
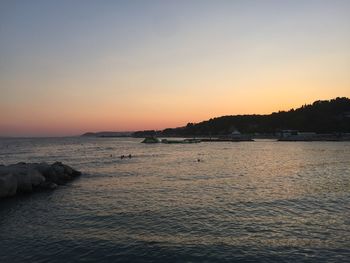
262	201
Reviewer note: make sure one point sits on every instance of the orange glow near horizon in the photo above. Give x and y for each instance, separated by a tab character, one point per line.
133	67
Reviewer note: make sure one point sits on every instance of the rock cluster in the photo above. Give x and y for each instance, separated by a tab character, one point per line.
29	177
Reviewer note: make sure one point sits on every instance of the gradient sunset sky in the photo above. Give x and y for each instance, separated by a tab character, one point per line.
67	67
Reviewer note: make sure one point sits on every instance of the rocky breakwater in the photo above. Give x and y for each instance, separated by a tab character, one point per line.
31	177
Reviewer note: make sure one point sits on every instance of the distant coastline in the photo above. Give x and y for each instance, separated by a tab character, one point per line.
327	120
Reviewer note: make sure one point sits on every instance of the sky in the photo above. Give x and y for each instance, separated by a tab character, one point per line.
67	67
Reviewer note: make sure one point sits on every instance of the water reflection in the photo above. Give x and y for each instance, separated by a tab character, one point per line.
265	201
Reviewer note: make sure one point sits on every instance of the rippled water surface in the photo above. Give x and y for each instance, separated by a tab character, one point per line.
261	201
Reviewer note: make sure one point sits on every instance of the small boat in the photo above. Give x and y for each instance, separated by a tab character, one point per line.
151	140
166	141
185	141
192	140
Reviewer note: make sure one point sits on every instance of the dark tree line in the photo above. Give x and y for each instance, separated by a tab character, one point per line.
326	116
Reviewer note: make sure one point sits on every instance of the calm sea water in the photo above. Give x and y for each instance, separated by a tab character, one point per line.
261	201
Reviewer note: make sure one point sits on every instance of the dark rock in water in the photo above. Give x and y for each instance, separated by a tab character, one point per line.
48	186
8	185
24	183
36	177
26	178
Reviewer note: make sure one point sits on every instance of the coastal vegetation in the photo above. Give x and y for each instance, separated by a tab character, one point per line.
322	116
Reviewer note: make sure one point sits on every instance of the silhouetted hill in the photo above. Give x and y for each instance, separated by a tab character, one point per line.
326	116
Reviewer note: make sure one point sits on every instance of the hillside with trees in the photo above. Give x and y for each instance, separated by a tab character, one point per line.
327	116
